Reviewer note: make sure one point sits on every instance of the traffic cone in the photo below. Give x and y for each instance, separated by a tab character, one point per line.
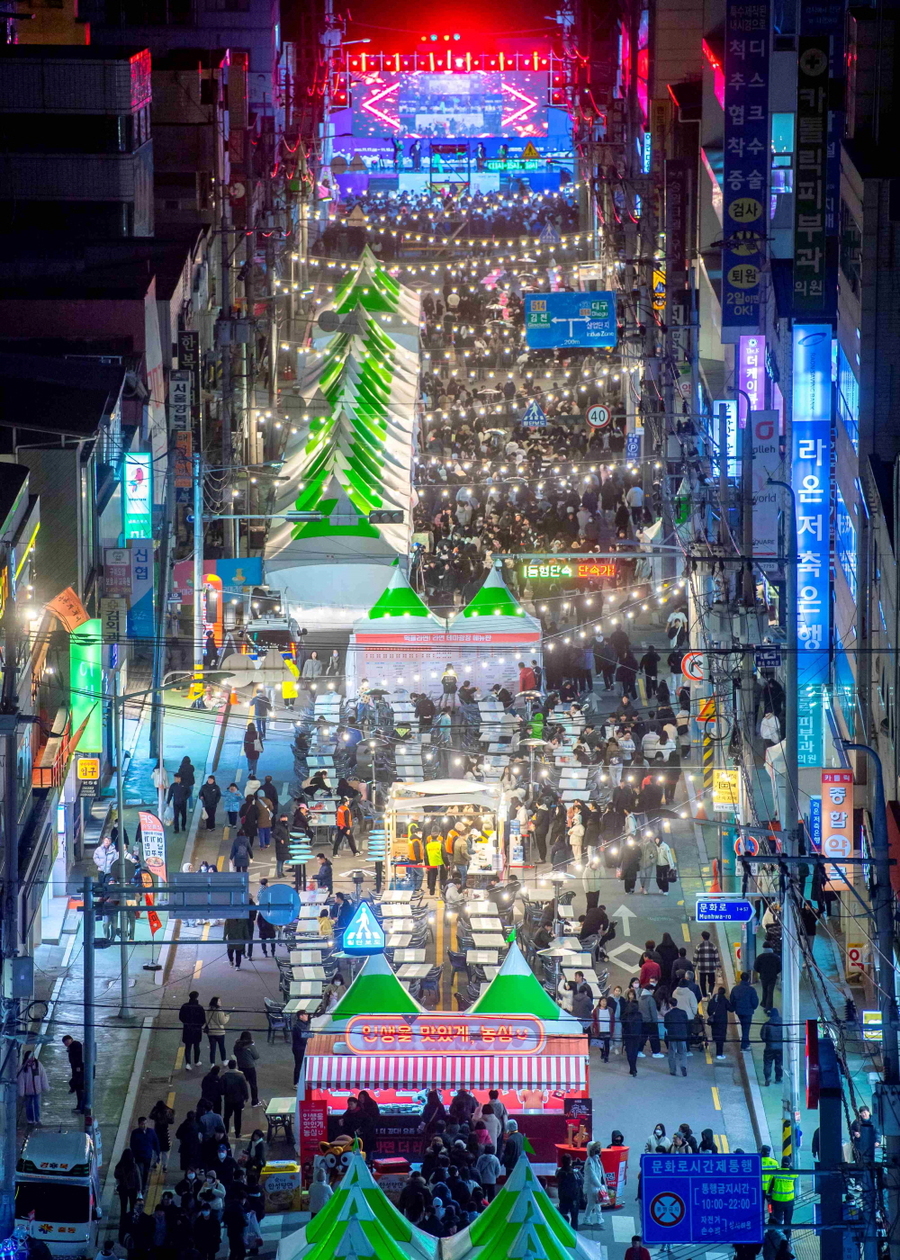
715	886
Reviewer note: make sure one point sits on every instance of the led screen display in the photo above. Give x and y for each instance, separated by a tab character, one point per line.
481	103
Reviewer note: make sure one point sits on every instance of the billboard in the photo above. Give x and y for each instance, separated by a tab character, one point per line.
138	495
570	319
435	105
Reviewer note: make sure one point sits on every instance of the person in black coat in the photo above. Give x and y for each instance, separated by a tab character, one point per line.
717	1011
210	795
190	1139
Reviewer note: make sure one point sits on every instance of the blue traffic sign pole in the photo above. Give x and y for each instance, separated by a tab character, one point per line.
723	909
701	1198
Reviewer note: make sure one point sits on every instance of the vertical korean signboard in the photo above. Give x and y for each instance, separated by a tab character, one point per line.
837	821
811	235
180	392
86	682
140	613
138	495
811	482
745	193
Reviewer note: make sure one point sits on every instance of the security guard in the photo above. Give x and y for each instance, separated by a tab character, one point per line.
434	856
415	856
781	1195
769	1168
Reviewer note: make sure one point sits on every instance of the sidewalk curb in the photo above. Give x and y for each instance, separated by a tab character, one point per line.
751	1084
173	927
127	1109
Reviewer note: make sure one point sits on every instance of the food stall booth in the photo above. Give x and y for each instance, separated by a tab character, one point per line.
515	1039
481	807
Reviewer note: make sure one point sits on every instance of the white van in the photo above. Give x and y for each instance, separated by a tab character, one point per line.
57	1179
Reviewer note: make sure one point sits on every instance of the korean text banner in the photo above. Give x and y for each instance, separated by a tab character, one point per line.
746	164
812	295
811	482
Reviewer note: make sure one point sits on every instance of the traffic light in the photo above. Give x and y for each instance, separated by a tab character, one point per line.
386	517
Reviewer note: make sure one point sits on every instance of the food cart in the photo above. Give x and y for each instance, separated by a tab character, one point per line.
515	1039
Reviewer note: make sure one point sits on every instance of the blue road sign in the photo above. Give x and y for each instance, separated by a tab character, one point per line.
698	1198
278	904
633	445
724	910
535	417
364	934
570	319
767	658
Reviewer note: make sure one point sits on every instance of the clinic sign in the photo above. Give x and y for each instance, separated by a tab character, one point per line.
444	1034
811	482
746	162
137	510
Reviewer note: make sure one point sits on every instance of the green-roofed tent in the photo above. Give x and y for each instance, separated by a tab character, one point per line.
493	609
399	608
522	1223
376	990
516	990
358	1221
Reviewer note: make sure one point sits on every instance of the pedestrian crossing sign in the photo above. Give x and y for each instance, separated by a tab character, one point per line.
529	153
535	417
364	934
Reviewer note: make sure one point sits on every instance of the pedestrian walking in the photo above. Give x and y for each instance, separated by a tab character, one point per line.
192	1017
772	1036
782	1192
262	707
144	1146
127	1177
300	1034
706	963
718	1008
665	865
252	747
75	1053
178	796
677	1031
264	819
240	852
163	1118
768	968
632	1029
649	1021
235	1094
210	795
246	1056
216	1023
189	1137
211	1093
207	1232
343	829
188	776
31	1083
271	793
267	933
105	856
569	1189
281	836
233	799
744	1001
236	934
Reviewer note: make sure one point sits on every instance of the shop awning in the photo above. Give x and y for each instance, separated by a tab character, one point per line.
410	1071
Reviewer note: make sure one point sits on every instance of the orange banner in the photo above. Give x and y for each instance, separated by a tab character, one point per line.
68	608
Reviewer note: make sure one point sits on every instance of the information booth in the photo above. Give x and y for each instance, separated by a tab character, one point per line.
515	1039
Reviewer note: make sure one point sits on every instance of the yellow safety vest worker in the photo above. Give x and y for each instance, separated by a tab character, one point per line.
770	1167
435	852
414	849
783	1186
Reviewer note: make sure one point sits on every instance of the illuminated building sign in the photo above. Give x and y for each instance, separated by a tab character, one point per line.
811	482
138	496
86	681
364	934
515	164
443	1034
569	570
751	372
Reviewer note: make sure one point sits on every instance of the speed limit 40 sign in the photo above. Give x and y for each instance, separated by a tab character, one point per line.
598	416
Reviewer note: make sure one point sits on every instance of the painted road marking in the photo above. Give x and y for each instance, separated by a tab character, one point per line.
716	1101
686	932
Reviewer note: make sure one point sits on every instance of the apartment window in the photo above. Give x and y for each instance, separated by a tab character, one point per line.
848	398
850	248
845	544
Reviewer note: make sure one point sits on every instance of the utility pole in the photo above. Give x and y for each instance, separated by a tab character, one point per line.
118	716
887	1092
198	570
90	1035
791	951
9	721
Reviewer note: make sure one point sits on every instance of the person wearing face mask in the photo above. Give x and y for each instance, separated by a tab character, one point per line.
656	1139
189	1184
212	1193
207	1232
226	1166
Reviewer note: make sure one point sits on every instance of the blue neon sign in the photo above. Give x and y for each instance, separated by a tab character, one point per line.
811	482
